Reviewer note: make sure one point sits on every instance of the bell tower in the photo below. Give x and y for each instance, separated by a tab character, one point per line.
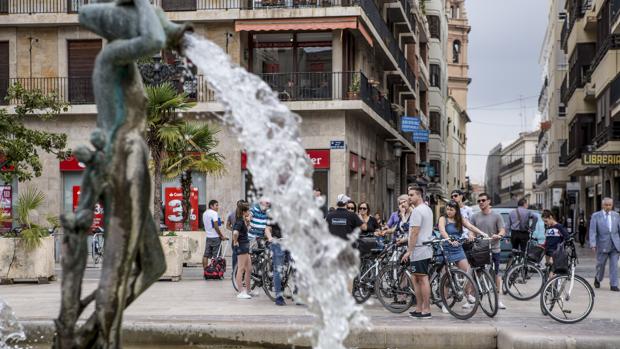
458	42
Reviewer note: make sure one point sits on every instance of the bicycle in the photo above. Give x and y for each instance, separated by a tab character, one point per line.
524	279
393	285
485	281
567	293
259	256
364	283
97	245
287	276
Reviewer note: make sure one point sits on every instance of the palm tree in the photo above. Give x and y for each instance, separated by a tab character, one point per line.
192	152
164	101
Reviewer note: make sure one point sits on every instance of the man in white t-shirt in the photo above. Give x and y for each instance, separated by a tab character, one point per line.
458	196
418	255
212	223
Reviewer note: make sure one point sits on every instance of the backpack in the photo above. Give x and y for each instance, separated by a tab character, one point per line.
479	254
560	260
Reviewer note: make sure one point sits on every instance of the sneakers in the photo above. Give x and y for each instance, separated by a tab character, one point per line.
467	305
254	293
444	309
471	299
280	301
414	314
501	305
243	295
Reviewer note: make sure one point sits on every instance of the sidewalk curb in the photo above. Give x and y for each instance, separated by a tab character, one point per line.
277	336
514	339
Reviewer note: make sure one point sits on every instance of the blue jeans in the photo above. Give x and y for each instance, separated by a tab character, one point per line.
278	257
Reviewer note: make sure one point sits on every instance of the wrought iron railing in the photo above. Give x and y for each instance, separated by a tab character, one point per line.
40	6
512	165
542	177
75	90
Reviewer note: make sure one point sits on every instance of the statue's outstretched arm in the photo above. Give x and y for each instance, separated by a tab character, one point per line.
151	37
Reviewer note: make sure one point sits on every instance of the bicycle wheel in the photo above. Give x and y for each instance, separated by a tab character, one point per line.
267	281
394	289
361	291
524	282
434	280
567	300
488	292
454	288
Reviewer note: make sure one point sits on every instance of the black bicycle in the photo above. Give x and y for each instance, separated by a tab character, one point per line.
479	258
260	255
524	278
371	262
287	278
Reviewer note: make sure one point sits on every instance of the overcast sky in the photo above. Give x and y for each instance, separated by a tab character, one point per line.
504	49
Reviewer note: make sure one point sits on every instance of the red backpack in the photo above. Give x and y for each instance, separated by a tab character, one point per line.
217	267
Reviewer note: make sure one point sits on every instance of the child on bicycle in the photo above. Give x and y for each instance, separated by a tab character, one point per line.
555	234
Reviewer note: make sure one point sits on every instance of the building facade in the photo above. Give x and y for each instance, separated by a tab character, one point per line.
492	180
552	140
437	17
589	108
520	166
349	69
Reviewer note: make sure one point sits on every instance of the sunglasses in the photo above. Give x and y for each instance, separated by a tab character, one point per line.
455	195
482	200
350	208
363	208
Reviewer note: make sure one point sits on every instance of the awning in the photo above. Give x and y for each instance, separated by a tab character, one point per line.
300	24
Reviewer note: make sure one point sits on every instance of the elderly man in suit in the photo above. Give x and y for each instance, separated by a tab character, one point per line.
605	241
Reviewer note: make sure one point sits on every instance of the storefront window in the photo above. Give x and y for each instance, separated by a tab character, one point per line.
320	180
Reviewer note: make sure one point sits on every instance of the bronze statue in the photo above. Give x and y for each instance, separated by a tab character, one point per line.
117	175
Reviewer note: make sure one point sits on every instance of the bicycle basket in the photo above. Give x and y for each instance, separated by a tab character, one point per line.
535	253
480	254
366	245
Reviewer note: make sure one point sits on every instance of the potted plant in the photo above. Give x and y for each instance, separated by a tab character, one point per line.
172	245
354	87
27	251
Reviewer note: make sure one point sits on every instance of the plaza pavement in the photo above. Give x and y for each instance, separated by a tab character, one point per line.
198	311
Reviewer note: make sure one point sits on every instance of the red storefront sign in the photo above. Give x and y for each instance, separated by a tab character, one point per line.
320	158
353	162
174	208
6	205
71	164
97	214
363	167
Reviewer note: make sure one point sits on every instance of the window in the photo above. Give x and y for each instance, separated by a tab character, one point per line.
291	52
434	27
4	70
456	51
435	72
435	123
81	61
561	110
436	165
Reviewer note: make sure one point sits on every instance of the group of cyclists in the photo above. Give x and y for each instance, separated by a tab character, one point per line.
453	263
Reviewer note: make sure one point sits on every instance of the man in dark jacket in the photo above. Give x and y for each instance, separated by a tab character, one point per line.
342	222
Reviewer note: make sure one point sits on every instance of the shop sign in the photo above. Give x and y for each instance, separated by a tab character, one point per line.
353	162
320	158
97	213
409	123
336	145
6	205
363	167
174	208
71	164
601	159
421	136
372	170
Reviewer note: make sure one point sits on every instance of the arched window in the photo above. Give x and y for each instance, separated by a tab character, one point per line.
456	51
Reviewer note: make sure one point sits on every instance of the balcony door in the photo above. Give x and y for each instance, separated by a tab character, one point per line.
81	58
297	66
4	70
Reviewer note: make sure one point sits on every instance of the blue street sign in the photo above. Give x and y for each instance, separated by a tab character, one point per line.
409	123
420	136
336	145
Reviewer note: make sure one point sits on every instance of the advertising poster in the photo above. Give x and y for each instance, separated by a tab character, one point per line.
6	205
174	208
98	213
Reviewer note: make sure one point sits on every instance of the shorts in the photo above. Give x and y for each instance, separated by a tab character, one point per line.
420	267
212	247
495	262
243	248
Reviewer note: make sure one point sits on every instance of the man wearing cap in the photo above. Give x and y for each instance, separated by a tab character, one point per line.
342	222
